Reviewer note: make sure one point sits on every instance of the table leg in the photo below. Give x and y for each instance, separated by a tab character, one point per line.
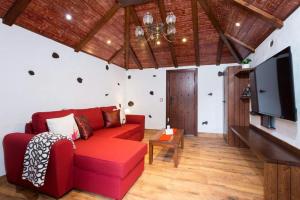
182	142
175	157
150	153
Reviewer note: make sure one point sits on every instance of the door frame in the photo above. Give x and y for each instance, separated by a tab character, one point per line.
195	70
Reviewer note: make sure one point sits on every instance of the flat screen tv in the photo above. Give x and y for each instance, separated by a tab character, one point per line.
272	87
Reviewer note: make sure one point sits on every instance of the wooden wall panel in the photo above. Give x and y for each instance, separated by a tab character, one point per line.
284	182
230	104
281	182
295	183
237	109
270	181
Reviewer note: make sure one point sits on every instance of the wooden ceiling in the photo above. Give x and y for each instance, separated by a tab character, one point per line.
208	25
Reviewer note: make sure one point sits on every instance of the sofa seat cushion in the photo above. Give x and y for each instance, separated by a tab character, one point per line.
125	131
93	115
109	156
39	123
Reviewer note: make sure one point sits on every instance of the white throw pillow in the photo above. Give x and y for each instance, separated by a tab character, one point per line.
64	126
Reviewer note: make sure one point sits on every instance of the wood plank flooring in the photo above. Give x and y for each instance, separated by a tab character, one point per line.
208	170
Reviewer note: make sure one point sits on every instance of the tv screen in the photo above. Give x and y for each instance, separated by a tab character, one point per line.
272	87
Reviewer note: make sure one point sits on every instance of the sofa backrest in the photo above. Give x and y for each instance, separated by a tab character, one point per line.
39	123
108	108
94	116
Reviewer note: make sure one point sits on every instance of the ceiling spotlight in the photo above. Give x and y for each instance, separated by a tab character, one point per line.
108	41
184	40
158	42
237	24
68	17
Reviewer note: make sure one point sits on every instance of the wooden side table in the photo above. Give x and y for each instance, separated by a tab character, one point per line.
176	140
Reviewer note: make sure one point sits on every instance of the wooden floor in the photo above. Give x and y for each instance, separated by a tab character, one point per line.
208	170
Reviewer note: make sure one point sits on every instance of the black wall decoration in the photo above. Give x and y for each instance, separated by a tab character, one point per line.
120	106
130	103
154	76
271	43
106	94
151	93
107	67
129	76
119	84
220	73
79	80
55	55
150	116
205	123
31	73
210	94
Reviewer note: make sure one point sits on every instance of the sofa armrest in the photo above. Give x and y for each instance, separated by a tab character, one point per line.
14	147
135	119
140	120
59	175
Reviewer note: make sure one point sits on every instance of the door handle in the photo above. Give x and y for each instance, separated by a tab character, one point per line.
262	91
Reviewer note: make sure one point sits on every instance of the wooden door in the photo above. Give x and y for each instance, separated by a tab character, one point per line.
182	100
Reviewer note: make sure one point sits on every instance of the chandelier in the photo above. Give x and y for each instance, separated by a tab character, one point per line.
156	31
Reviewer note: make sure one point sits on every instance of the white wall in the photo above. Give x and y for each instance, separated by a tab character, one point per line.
287	36
137	91
54	85
210	108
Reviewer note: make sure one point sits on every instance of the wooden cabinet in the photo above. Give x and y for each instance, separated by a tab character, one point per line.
281	163
236	109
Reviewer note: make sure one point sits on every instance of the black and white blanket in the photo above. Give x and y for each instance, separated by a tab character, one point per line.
37	157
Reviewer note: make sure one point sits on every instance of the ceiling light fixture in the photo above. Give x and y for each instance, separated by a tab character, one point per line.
237	24
184	40
68	17
157	30
108	41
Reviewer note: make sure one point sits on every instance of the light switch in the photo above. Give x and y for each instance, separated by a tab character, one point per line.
161	100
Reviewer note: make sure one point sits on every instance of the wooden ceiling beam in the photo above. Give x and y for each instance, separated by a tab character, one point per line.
250	48
274	21
15	11
116	54
127	36
163	15
220	51
108	15
218	28
135	58
195	31
136	21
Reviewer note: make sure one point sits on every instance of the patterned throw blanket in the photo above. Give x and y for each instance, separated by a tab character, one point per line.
37	157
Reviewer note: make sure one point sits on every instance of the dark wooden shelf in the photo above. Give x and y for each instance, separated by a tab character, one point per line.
266	149
244	72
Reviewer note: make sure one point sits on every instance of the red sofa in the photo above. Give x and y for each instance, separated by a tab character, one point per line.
108	163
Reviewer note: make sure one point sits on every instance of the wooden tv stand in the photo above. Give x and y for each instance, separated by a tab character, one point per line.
281	163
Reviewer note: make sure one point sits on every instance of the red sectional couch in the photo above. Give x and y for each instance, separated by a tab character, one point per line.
108	163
